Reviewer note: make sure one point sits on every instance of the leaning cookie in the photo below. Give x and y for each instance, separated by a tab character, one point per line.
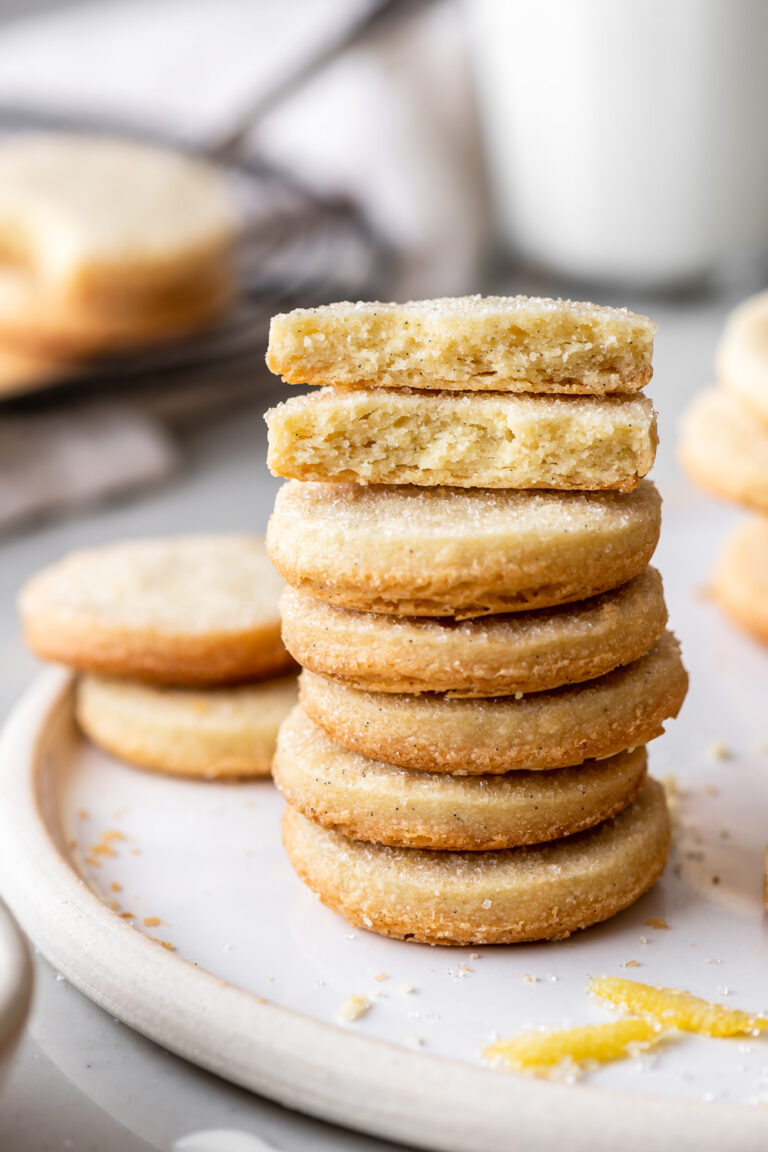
185	610
724	447
464	440
555	729
369	800
484	656
492	343
458	552
210	733
536	893
741	580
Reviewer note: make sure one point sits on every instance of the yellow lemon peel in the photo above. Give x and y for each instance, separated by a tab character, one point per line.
676	1009
598	1043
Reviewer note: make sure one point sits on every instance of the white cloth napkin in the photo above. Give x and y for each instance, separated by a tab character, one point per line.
52	462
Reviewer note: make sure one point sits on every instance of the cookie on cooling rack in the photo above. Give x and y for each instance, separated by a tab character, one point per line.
110	242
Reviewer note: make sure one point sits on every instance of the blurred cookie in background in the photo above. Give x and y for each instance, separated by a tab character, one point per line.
724	448
741	580
108	243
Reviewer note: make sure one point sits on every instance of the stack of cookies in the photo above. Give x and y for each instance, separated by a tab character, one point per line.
107	245
178	645
724	447
466	536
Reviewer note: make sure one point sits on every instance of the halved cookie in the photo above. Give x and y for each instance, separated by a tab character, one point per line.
465	440
492	343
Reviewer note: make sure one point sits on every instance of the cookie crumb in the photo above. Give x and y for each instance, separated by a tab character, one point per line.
657	922
151	921
719	751
381	976
354	1007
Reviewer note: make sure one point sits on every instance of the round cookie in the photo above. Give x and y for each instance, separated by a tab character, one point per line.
724	447
370	800
742	357
111	233
184	610
458	552
741	580
218	732
554	729
56	330
484	656
536	893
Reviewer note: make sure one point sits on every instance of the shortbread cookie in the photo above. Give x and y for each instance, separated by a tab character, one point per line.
467	440
496	343
214	732
553	729
184	610
536	893
451	552
103	226
741	581
369	800
724	447
22	371
485	656
43	326
742	358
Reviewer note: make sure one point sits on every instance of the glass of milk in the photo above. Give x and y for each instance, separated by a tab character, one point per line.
627	141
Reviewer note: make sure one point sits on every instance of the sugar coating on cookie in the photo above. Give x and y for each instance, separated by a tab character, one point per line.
724	447
371	800
535	893
485	656
178	610
742	356
493	343
741	579
468	440
458	552
554	729
211	733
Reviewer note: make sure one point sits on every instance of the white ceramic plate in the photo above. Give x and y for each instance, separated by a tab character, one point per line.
15	988
260	969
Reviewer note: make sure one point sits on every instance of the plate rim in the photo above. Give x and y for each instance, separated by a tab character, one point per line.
318	1068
